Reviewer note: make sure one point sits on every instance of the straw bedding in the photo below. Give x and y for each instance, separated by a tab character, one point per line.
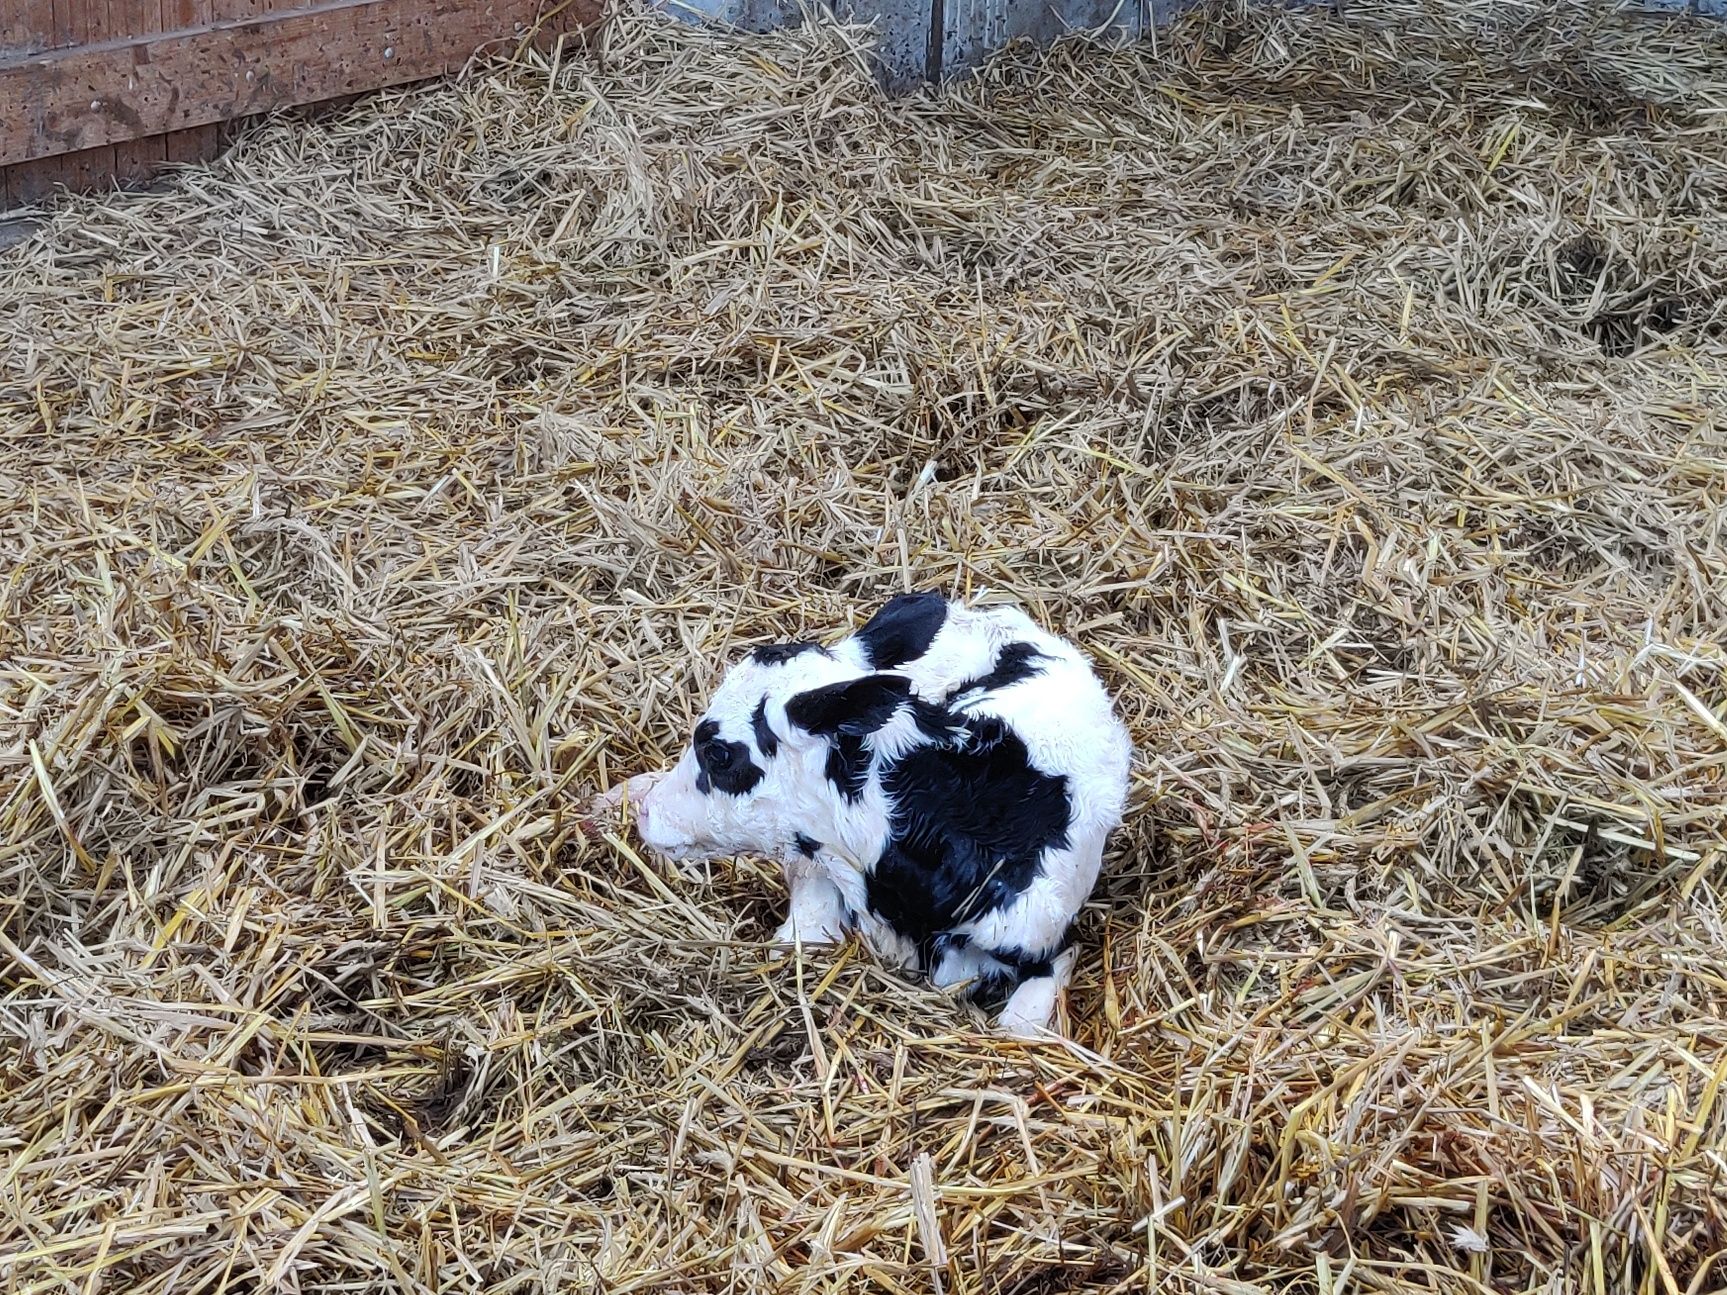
1349	384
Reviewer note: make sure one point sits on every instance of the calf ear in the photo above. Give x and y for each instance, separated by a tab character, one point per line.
903	629
852	708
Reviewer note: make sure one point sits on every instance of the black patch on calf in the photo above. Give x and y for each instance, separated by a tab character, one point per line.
1023	965
766	739
851	708
969	828
850	711
983	733
848	767
931	951
945	943
1014	663
992	989
902	630
780	653
937	721
722	765
1013	968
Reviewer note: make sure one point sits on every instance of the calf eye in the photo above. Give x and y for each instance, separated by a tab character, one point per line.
718	755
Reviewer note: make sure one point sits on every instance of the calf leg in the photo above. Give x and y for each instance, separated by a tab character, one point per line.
817	913
1031	1006
960	962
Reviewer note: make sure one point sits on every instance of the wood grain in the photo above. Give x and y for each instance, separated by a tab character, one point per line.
26	27
133	159
124	88
195	143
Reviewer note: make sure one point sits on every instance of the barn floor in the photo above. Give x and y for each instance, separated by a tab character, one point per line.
1355	388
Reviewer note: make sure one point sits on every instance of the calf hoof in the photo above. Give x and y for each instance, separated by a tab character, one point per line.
1026	1032
793	933
1030	1010
1026	1029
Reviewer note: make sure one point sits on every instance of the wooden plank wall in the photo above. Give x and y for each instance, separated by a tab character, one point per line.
38	25
94	92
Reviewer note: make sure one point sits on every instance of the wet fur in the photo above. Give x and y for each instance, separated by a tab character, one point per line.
943	782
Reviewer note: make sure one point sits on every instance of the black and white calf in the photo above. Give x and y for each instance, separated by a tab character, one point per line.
942	782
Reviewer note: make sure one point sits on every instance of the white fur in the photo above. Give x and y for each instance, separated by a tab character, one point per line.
817	912
1061	713
1029	1009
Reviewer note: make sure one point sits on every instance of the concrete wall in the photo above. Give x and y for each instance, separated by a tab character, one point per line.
1708	8
929	39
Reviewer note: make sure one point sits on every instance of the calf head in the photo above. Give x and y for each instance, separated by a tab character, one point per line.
759	775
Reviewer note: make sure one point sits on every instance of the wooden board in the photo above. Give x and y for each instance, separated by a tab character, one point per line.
90	96
27	26
195	143
132	159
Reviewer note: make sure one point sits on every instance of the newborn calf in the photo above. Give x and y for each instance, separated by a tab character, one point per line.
942	782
